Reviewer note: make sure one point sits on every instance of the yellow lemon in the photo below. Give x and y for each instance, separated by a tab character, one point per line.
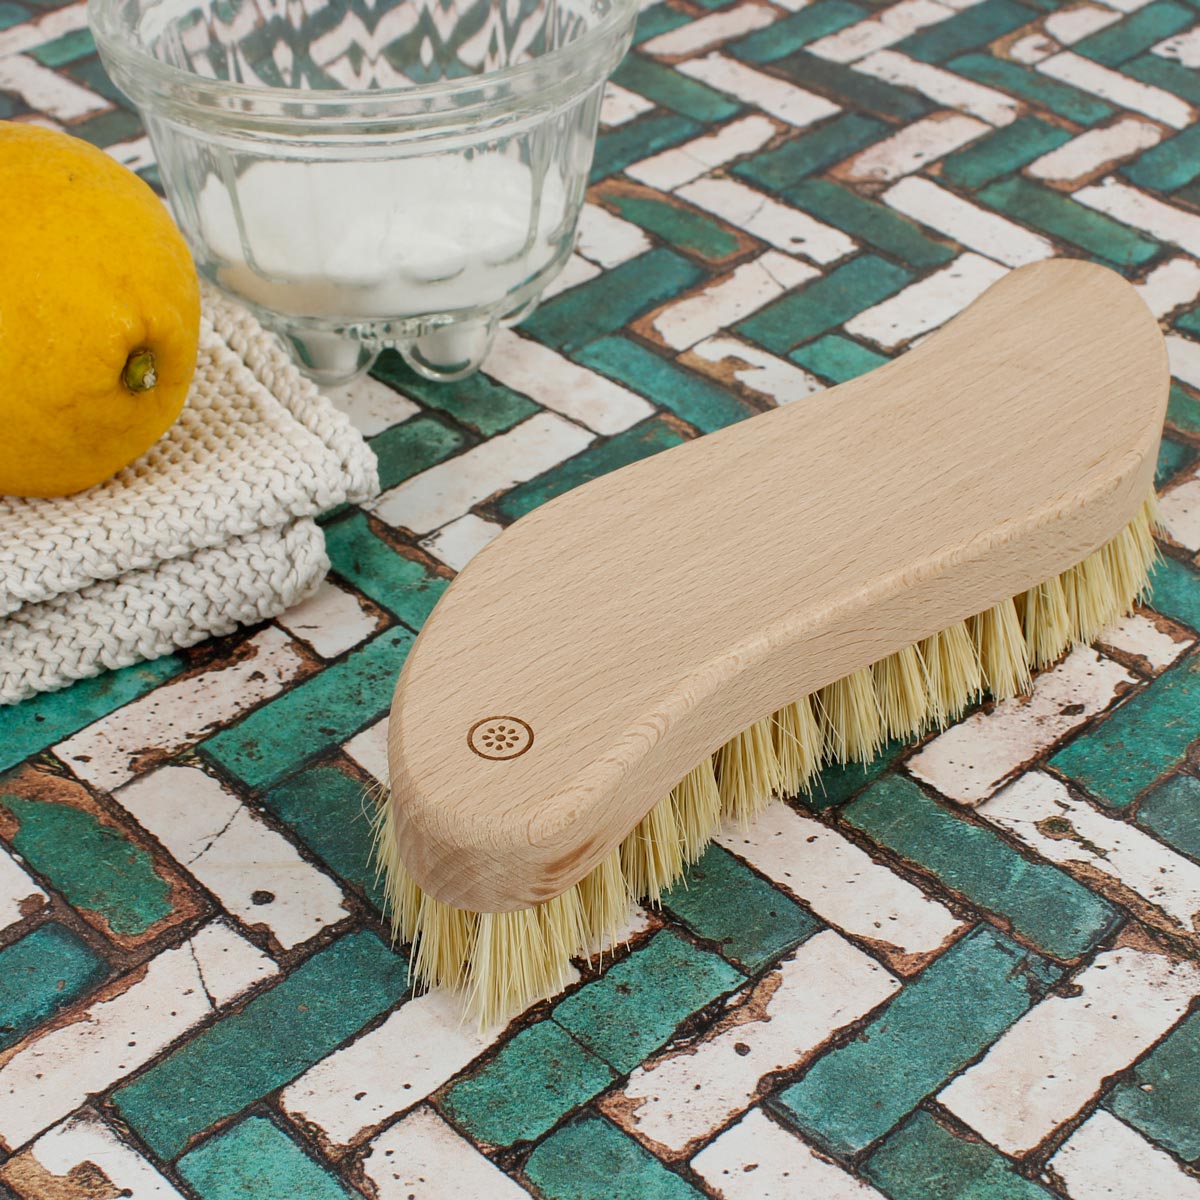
99	314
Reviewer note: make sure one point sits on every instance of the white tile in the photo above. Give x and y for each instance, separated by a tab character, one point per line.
970	760
928	303
1142	211
1171	285
877	33
681	164
447	491
331	620
19	895
368	748
757	1160
51	1075
557	383
1120	89
773	378
1180	512
607	239
1185	359
1183	48
457	543
981	230
45	29
576	271
749	287
1094	150
47	91
1048	1065
371	406
422	1158
1126	6
233	854
842	884
1032	48
943	87
178	714
621	105
1070	25
1106	1160
1139	636
708	31
135	154
914	146
774	96
684	1097
783	227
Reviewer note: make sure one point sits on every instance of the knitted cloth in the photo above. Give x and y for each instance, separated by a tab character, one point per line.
211	528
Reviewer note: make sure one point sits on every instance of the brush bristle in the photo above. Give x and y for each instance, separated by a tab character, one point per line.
505	961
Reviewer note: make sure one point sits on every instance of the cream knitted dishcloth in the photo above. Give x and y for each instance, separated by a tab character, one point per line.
211	528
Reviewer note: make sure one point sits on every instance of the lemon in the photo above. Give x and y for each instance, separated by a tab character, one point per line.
99	314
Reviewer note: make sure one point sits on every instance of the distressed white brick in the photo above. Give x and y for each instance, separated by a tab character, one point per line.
914	146
1171	285
1070	25
970	760
50	1075
371	406
54	24
681	164
607	239
744	291
1032	48
708	31
134	154
576	271
368	748
1184	356
1183	48
943	87
176	715
785	228
1106	1160
1180	512
233	854
1139	636
775	96
1120	89
331	620
422	1158
47	91
928	303
981	230
621	105
457	543
1048	1065
757	1160
1126	6
842	884
755	369
876	33
1155	217
446	491
19	895
680	1099
1094	150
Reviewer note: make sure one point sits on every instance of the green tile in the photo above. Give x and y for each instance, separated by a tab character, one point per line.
1173	457
1144	738
1162	1098
535	1080
12	14
1042	904
314	717
853	88
837	358
1059	215
923	1160
836	784
403	585
93	866
1002	152
275	1037
671	89
788	35
1163	73
1172	810
937	1024
975	26
1080	107
658	18
869	221
91	73
828	143
406	449
640	139
686	228
826	302
694	399
635	1006
109	128
76	44
1189	321
639	442
1183	411
1176	591
589	1158
1135	32
722	900
612	300
41	973
256	1160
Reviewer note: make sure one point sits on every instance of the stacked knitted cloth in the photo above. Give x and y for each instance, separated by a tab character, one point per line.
210	529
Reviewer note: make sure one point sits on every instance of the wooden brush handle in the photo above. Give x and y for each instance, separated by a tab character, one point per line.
593	654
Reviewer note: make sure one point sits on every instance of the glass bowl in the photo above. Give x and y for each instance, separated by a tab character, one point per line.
371	173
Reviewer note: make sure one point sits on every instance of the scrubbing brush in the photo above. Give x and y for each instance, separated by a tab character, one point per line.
676	643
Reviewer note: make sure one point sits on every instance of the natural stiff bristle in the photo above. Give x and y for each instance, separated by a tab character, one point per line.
504	961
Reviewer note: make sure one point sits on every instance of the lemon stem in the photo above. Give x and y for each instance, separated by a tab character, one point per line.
140	374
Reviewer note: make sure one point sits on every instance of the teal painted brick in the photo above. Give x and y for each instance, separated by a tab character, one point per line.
275	1037
824	303
1002	152
1043	905
671	89
1183	409
658	18
589	1158
694	399
313	718
923	1160
1173	457
869	221
952	1011
1177	591
1162	1098
853	88
1144	738
639	442
636	1005
640	139
836	784
1062	217
828	143
1163	73
1135	32
1189	321
722	900
793	32
11	14
1060	98
256	1160
42	973
109	128
402	584
975	26
1172	810
837	358
685	228
529	1086
71	46
404	450
612	300
91	73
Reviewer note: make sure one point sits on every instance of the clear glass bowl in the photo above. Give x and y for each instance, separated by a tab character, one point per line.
371	173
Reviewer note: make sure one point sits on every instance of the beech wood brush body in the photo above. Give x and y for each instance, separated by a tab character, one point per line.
677	642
